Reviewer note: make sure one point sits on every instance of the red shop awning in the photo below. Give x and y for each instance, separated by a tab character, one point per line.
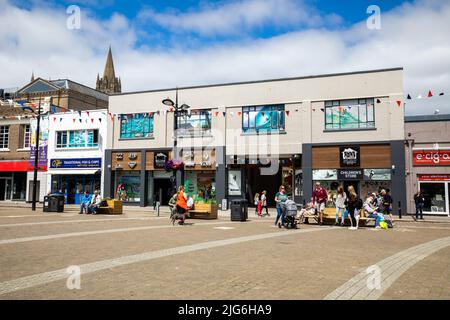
17	166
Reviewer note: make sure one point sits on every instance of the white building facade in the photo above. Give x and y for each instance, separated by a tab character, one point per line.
76	145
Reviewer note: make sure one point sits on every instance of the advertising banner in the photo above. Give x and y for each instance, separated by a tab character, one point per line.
431	157
86	163
43	142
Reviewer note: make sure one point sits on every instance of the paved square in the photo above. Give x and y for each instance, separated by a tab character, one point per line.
140	256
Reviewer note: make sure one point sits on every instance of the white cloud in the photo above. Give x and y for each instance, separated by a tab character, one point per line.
239	16
414	36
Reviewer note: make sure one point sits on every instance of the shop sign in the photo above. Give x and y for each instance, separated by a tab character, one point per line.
377	174
350	174
325	174
234	183
159	159
431	157
434	177
79	163
349	156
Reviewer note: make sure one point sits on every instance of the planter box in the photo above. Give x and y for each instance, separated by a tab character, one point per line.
115	206
204	211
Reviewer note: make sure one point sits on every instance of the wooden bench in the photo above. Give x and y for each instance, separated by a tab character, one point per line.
330	214
113	207
203	211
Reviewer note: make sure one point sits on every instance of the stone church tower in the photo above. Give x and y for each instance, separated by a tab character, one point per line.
109	83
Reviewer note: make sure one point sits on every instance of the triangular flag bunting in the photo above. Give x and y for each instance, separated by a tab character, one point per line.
287	112
99	119
441	94
54	119
60	119
378	101
224	113
80	120
87	113
430	94
262	113
409	97
79	112
399	103
73	120
216	113
239	113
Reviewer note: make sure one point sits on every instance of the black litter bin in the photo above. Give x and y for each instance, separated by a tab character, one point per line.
239	210
54	203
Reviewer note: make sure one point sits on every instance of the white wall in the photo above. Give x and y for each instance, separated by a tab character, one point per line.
67	123
303	98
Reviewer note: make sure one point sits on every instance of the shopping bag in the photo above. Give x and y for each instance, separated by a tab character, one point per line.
345	214
383	225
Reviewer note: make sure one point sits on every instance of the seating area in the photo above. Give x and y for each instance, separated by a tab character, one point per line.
329	217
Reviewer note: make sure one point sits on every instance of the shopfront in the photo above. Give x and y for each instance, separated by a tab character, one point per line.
75	176
247	176
138	177
13	176
368	168
432	169
200	174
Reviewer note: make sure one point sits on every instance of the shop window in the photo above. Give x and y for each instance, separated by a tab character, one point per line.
135	126
77	139
4	137
349	114
127	186
263	119
26	136
435	197
198	122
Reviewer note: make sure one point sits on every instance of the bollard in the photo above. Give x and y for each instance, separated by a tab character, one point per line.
157	207
399	210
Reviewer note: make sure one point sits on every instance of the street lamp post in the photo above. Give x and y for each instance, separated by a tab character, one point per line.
178	110
36	157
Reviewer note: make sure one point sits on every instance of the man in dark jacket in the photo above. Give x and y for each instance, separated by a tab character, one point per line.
419	200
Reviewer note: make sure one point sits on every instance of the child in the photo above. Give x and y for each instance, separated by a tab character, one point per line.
308	209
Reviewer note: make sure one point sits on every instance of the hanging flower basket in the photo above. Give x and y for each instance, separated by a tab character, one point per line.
174	165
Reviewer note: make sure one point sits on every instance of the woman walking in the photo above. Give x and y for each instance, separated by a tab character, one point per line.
340	205
352	203
280	199
257	203
264	203
182	206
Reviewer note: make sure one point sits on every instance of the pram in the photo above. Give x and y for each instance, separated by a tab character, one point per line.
289	211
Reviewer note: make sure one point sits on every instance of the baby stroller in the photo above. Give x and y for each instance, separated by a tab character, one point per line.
289	210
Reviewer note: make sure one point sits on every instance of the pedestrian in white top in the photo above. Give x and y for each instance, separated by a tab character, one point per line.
340	205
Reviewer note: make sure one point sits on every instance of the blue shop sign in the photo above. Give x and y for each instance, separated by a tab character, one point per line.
80	163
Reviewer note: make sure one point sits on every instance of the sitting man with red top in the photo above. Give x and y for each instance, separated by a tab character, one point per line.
320	197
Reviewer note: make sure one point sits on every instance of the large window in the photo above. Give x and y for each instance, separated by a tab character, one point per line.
349	114
139	125
263	119
4	137
26	136
197	123
77	139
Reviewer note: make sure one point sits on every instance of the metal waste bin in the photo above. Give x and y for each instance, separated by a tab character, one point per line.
239	210
54	203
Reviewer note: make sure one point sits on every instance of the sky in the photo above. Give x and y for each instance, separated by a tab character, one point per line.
161	44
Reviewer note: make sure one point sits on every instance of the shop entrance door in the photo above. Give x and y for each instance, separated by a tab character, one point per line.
355	185
162	188
5	189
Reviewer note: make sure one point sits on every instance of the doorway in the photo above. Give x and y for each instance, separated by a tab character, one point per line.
5	189
162	191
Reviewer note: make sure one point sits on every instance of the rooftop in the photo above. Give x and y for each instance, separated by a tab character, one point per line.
263	81
428	118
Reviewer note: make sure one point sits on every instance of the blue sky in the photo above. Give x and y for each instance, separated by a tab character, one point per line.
167	43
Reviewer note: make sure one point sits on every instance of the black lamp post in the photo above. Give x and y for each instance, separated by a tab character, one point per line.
36	157
178	110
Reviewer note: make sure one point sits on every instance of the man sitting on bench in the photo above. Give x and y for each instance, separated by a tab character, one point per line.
371	210
95	203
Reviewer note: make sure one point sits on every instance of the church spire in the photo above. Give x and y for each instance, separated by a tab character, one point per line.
32	76
109	72
109	83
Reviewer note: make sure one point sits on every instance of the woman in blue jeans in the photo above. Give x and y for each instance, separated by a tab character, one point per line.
280	199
